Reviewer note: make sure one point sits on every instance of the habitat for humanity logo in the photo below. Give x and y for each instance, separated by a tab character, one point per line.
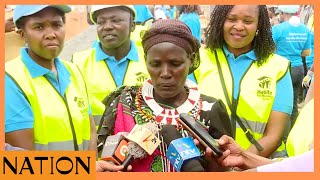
141	77
264	90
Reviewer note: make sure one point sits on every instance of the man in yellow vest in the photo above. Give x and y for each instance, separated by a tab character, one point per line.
115	60
239	68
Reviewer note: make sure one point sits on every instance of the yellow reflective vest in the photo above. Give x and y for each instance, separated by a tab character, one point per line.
301	136
310	23
256	92
137	34
60	123
99	79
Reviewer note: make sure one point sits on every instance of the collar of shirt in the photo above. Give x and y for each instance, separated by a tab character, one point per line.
36	70
247	56
132	54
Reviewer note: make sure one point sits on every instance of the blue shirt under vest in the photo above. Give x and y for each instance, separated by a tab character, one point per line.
117	68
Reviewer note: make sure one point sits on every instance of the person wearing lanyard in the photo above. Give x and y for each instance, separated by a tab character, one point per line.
239	66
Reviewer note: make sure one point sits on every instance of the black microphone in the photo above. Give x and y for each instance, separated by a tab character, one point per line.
178	149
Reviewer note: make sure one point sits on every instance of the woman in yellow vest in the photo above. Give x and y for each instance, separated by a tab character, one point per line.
239	66
113	61
46	104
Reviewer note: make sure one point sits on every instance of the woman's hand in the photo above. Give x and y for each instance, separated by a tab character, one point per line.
232	153
234	156
105	166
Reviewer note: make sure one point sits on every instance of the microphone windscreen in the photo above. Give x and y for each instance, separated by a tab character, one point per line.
169	133
151	127
136	151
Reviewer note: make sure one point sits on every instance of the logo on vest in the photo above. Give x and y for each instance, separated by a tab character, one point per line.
82	106
141	77
264	91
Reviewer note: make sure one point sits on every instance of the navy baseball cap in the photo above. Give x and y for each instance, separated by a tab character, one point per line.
27	10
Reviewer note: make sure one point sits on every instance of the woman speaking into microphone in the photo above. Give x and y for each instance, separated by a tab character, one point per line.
171	53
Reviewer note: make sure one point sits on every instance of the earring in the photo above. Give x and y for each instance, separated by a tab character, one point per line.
257	32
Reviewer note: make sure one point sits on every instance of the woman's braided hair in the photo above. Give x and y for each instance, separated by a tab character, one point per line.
262	44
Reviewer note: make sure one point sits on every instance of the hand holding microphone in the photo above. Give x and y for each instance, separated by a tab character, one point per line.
182	152
113	153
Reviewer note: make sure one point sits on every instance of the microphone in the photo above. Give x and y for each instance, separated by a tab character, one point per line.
142	142
115	148
182	152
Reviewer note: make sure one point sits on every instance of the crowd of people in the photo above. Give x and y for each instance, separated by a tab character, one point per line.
241	82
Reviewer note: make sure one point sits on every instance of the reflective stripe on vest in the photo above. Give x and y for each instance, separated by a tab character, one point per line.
301	136
99	79
67	145
257	90
56	118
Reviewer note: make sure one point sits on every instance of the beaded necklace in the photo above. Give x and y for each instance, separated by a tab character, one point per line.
161	115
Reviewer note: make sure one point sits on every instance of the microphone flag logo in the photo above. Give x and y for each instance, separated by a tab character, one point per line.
144	138
181	150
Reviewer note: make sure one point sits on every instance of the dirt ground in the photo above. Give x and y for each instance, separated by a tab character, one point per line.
76	22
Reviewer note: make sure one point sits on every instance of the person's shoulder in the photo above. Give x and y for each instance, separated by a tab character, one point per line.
276	57
82	55
67	63
284	26
71	67
120	91
305	28
277	26
85	51
13	61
